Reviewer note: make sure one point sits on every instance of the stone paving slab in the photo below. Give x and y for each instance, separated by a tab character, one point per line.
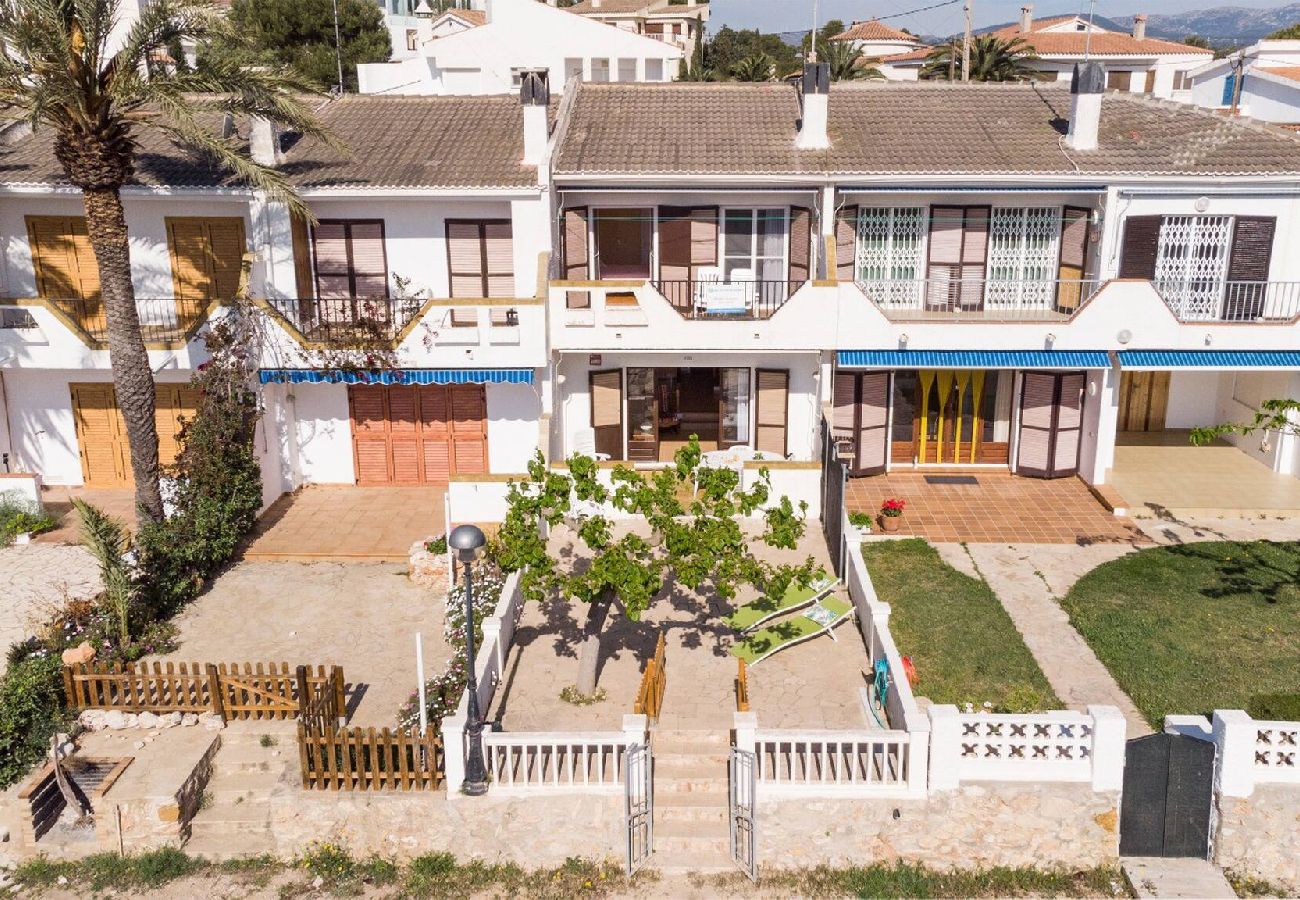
1028	578
1170	529
35	580
1177	878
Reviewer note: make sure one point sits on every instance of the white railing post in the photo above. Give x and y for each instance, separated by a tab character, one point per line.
746	726
492	640
1234	736
1109	736
880	625
918	758
945	747
634	728
453	753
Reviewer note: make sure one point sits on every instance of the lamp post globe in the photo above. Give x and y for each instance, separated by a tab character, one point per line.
467	540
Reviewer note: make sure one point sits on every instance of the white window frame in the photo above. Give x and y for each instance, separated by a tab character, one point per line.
1023	257
898	289
754	256
1190	280
620	66
608	74
649	61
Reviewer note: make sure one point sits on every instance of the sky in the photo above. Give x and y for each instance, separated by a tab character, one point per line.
790	15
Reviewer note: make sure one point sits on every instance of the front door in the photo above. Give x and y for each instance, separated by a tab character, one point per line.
1143	399
101	430
951	416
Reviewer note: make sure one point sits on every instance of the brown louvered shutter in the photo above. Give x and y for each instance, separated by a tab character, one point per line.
772	411
301	255
607	411
333	275
187	245
844	403
674	244
1252	248
1068	426
435	429
227	243
468	429
704	238
367	407
974	248
575	244
369	262
1074	257
499	259
800	245
1037	407
404	434
465	259
846	243
872	440
62	256
1138	250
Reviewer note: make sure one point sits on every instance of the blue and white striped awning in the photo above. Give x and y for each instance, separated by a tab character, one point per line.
396	376
1209	359
974	359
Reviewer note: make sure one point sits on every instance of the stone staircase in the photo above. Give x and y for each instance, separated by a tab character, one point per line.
235	820
691	833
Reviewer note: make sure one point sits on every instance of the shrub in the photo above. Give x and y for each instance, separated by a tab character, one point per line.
437	546
31	711
1275	707
860	520
21	515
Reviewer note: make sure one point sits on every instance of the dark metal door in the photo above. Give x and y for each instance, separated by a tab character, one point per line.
1168	797
834	479
639	794
740	803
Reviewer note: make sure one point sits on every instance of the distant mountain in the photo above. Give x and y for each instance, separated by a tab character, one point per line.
1222	26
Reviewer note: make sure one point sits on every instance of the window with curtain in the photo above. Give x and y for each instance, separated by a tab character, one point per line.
753	242
480	256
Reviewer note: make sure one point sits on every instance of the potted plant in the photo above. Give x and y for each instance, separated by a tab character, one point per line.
891	512
861	522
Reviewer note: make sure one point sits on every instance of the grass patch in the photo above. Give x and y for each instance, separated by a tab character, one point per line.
105	871
909	880
1249	886
1196	627
963	643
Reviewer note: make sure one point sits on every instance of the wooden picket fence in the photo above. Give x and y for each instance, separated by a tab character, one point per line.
232	691
359	759
650	696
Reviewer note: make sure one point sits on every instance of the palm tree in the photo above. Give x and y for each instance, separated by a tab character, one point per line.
74	66
991	59
846	61
755	67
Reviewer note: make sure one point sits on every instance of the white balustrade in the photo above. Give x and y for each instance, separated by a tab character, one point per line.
834	763
567	762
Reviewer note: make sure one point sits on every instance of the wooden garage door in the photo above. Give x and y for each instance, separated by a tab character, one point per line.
101	432
418	434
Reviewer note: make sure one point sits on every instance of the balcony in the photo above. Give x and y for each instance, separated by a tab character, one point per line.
717	299
349	321
978	299
1244	302
163	320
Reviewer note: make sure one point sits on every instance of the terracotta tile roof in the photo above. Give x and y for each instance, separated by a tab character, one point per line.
920	54
873	30
473	17
1290	72
586	7
888	128
1103	43
433	142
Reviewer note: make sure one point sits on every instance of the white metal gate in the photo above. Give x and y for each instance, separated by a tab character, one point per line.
640	804
740	809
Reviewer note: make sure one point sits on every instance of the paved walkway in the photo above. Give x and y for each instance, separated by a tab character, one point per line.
120	504
1028	578
1190	878
1170	529
35	580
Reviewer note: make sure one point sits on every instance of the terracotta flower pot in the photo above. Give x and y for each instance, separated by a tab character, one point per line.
891	523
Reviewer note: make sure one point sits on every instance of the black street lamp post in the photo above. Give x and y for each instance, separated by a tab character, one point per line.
466	540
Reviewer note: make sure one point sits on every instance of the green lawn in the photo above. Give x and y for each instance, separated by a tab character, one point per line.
963	643
1196	627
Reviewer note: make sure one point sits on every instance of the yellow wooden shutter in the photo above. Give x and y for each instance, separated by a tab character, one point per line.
227	245
174	402
206	256
101	436
62	257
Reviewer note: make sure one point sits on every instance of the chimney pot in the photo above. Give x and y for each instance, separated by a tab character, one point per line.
535	97
1027	17
1140	26
816	87
1087	85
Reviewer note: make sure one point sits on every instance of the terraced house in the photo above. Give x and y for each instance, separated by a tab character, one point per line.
1003	278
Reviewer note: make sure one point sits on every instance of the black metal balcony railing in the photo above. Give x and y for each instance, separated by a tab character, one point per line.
735	299
1212	300
978	298
162	319
349	320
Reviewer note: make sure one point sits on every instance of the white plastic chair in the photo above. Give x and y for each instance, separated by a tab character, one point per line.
584	442
705	276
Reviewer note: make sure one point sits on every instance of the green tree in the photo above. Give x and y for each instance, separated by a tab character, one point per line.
824	34
300	34
846	61
1289	33
729	46
62	69
991	59
1195	40
1277	415
700	544
757	67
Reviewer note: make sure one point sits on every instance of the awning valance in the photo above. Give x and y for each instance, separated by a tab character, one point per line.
396	376
1209	359
974	359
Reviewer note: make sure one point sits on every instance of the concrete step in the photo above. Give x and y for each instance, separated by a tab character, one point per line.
709	833
1175	878
229	813
691	743
245	782
681	766
221	847
666	787
671	845
708	863
691	799
253	756
691	812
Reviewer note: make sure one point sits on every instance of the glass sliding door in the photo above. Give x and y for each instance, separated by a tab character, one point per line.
642	416
733	407
754	250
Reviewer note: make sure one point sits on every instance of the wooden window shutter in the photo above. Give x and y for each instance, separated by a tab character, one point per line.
465	259
1068	427
846	243
187	245
333	275
64	262
607	411
1252	248
1037	405
575	244
498	259
704	237
800	246
872	438
1075	230
1139	247
674	243
369	261
772	411
844	402
946	226
301	256
228	246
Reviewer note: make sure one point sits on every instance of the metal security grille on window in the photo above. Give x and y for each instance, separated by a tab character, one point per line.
1192	263
889	256
1024	251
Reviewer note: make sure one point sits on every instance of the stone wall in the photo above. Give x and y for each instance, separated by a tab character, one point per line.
534	831
1259	835
976	825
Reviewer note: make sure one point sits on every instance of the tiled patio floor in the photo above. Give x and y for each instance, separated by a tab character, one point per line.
347	523
999	508
120	504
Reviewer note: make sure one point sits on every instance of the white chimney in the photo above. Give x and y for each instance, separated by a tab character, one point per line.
1027	17
423	23
816	107
535	97
263	141
1140	26
1087	86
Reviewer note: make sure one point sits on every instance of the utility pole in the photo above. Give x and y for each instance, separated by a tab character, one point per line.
338	48
812	36
965	44
952	60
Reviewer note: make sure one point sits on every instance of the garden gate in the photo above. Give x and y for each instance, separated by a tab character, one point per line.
638	782
740	811
834	478
1168	797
